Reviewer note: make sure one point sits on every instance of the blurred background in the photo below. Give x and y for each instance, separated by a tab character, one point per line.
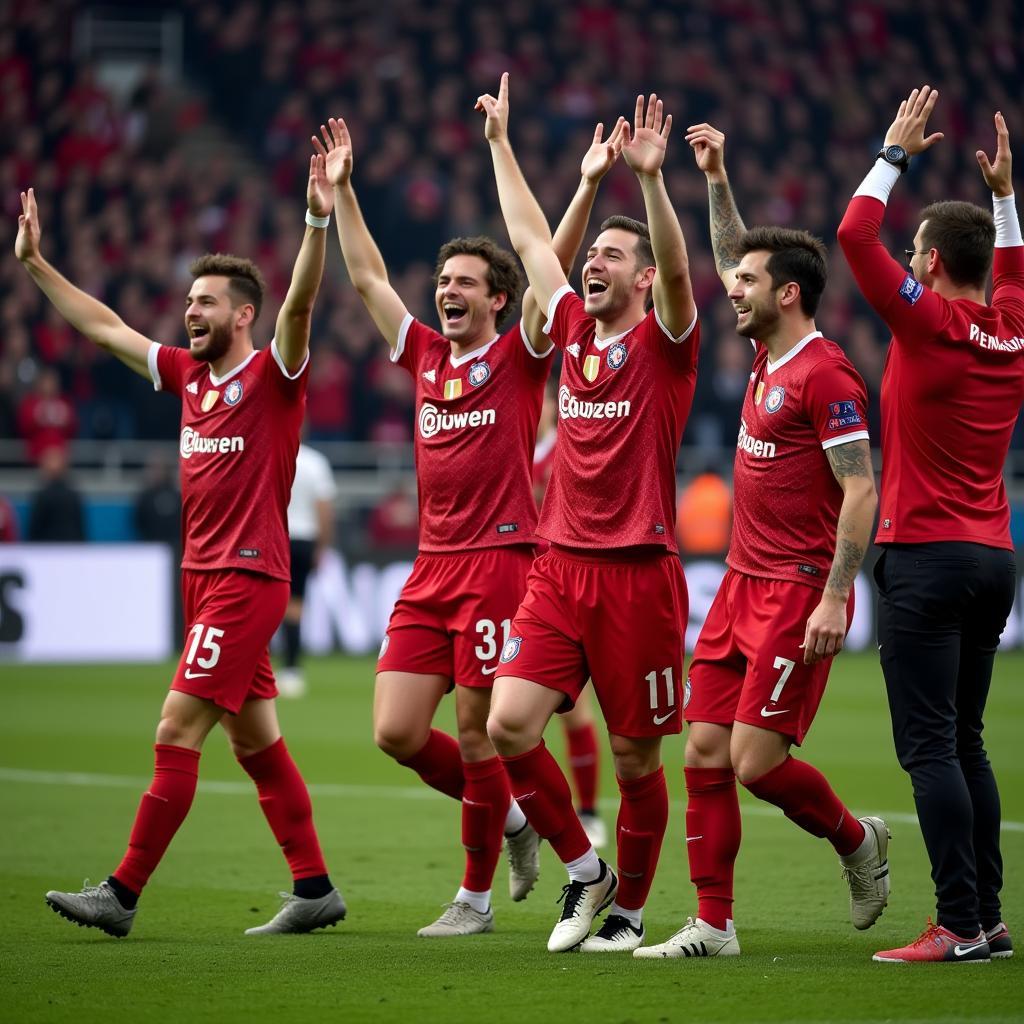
154	133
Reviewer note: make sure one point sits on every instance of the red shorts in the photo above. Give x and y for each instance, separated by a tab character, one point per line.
748	665
454	612
230	617
616	618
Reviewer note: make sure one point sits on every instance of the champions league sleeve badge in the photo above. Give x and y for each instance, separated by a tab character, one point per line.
776	396
233	392
616	357
479	373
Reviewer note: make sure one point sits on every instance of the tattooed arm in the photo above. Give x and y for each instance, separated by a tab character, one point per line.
727	228
826	627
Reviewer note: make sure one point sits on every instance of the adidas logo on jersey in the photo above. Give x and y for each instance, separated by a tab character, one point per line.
432	420
193	443
193	388
431	375
573	349
753	445
570	408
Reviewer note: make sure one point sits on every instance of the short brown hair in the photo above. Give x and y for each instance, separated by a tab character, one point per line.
644	251
796	256
964	235
503	273
245	282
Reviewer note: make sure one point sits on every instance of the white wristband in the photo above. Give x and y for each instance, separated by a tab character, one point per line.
1007	225
317	222
879	181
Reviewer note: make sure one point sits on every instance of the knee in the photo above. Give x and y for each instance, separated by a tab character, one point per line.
635	759
245	746
704	751
509	734
474	743
398	740
172	732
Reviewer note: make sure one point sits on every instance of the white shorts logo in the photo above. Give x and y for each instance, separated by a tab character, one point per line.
687	690
384	645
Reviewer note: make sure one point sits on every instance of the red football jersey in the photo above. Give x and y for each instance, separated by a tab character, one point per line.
476	426
786	498
622	406
239	440
951	391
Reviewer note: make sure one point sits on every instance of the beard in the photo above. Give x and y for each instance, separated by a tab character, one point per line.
214	345
762	321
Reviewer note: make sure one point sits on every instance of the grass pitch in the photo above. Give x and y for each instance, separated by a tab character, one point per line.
75	753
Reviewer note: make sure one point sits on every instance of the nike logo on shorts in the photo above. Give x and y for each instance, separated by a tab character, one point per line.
488	671
189	674
662	719
765	713
693	839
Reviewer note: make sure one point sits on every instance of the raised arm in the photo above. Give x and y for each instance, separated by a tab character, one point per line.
826	627
727	227
363	260
644	149
293	321
99	323
597	162
524	219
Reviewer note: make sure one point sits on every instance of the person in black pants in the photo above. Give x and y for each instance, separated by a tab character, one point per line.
951	392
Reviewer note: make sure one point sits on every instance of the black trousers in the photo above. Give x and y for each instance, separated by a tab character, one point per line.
941	609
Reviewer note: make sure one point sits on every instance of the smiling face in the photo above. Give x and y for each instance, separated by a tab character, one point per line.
211	318
754	297
464	306
611	274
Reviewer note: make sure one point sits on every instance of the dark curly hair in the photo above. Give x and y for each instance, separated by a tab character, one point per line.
503	273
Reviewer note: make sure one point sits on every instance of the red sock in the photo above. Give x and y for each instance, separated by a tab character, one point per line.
161	811
639	831
284	800
805	797
712	839
439	764
582	744
542	792
484	807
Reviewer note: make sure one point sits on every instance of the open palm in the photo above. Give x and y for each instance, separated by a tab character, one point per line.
601	157
336	151
644	148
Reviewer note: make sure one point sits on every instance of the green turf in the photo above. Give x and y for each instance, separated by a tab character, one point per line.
393	847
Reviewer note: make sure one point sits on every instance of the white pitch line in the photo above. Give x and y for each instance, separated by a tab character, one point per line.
224	788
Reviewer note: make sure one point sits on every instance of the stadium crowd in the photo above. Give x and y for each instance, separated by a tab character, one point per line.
129	203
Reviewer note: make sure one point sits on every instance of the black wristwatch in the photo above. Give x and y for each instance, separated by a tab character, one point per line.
895	155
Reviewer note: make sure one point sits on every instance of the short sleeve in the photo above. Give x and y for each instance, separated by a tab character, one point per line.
568	321
681	352
291	386
168	366
414	339
836	401
533	365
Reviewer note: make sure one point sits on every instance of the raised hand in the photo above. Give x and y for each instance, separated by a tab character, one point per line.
318	191
644	147
26	245
708	145
495	111
911	119
997	172
601	157
336	151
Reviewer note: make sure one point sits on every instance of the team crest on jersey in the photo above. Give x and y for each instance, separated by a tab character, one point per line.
233	392
479	373
573	349
192	388
591	366
617	355
208	400
758	391
453	388
776	396
687	690
511	648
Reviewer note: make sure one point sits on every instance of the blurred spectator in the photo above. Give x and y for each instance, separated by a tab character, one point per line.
46	419
158	504
704	515
56	510
8	521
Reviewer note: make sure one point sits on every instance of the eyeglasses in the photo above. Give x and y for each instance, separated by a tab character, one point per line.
911	253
